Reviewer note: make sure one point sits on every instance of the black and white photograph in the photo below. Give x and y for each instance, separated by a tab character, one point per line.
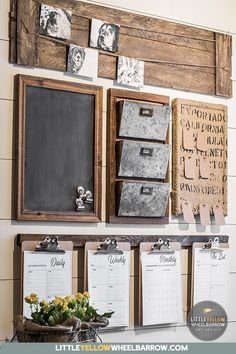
82	61
104	35
55	22
130	72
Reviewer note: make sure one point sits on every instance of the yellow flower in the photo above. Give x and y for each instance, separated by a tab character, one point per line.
86	294
59	298
57	301
65	302
79	296
31	299
43	303
28	299
65	307
70	298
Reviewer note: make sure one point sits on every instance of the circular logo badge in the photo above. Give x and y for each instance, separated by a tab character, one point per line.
207	320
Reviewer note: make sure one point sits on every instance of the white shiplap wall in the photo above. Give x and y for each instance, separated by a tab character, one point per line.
215	15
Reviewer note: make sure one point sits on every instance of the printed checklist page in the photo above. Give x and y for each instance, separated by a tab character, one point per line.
211	276
47	275
108	285
161	288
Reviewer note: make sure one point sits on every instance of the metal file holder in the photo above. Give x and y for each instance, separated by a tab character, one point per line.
109	246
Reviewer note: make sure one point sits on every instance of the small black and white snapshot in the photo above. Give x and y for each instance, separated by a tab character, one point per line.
55	22
104	35
130	72
82	61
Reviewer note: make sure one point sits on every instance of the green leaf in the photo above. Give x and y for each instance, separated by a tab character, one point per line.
51	321
108	314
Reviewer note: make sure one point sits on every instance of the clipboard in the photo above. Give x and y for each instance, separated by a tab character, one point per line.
213	244
110	247
94	246
160	247
31	247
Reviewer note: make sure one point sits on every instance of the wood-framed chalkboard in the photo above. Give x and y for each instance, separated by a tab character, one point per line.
59	148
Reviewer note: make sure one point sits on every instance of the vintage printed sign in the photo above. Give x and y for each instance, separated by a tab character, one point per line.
208	124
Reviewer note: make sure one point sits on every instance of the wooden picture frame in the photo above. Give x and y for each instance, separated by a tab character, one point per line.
59	141
115	95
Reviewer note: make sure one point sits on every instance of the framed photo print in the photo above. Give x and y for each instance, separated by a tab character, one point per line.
55	22
130	72
104	35
82	61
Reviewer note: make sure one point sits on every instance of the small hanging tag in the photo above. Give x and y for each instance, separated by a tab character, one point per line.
204	168
205	215
219	215
188	212
202	141
188	140
189	167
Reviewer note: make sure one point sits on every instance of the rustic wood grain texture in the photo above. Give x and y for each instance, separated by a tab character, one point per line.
223	60
203	52
199	118
27	28
134	240
12	31
21	82
115	95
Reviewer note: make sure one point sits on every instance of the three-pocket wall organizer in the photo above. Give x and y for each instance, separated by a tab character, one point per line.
138	157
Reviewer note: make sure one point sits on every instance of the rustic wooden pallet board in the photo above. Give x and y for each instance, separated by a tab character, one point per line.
176	56
80	240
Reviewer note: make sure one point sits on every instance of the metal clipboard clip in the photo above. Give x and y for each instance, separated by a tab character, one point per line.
161	246
108	246
212	245
49	244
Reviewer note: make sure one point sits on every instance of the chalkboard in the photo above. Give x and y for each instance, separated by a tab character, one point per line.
58	149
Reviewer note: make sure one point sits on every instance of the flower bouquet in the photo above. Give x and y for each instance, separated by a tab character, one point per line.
64	319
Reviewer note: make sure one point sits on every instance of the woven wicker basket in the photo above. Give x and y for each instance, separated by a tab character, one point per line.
82	336
46	337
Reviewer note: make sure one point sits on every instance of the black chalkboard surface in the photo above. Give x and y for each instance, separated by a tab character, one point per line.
59	126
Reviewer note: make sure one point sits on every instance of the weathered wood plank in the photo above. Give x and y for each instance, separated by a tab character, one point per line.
80	240
165	75
52	55
208	46
129	34
223	65
139	21
27	28
154	50
12	31
141	37
183	78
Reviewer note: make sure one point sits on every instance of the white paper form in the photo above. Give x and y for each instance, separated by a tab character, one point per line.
161	288
211	276
108	285
47	275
